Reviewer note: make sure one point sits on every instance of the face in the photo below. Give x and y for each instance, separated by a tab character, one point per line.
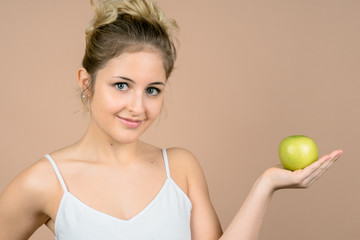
128	95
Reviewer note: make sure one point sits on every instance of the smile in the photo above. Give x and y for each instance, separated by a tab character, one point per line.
130	123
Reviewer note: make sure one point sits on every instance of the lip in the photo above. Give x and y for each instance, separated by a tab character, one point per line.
130	123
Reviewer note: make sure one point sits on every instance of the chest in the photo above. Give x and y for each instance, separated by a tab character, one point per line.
117	193
167	216
117	190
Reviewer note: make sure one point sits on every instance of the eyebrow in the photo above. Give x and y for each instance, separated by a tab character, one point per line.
130	80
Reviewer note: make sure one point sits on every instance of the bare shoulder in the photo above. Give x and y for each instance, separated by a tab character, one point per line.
185	167
36	180
25	201
183	159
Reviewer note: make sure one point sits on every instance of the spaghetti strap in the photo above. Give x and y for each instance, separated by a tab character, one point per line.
166	161
61	180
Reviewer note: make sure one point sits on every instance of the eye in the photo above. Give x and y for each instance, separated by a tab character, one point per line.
153	91
121	86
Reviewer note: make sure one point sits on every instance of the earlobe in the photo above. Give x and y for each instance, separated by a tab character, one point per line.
84	81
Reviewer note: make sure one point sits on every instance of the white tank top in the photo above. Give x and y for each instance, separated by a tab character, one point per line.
166	217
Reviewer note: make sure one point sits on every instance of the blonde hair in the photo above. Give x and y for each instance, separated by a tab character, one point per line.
121	26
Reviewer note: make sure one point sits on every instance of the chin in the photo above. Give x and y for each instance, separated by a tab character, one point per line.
126	139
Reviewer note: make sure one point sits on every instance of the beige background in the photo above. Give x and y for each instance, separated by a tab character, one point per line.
249	73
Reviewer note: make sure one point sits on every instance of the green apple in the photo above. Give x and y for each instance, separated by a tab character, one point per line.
297	152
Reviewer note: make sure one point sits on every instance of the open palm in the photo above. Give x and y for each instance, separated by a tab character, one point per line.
303	178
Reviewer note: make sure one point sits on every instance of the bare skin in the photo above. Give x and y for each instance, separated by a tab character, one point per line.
110	156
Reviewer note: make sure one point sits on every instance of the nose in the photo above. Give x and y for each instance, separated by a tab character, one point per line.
136	103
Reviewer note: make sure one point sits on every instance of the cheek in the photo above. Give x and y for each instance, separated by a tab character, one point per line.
103	102
154	108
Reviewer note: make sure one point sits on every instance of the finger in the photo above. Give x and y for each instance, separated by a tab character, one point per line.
317	176
309	170
325	165
339	152
318	173
334	155
322	169
311	181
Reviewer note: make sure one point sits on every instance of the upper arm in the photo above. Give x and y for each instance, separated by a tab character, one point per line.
22	203
205	224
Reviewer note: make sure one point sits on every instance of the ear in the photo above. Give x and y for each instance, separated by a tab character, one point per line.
83	78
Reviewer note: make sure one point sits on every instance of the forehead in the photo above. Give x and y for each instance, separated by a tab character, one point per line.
139	66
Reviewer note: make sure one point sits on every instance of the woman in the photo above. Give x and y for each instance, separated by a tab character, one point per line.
109	184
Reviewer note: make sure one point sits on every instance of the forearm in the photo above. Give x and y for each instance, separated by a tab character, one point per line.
247	222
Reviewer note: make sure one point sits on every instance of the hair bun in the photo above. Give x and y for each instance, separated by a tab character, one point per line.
107	11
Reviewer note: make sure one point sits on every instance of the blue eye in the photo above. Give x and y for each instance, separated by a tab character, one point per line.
121	86
153	91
